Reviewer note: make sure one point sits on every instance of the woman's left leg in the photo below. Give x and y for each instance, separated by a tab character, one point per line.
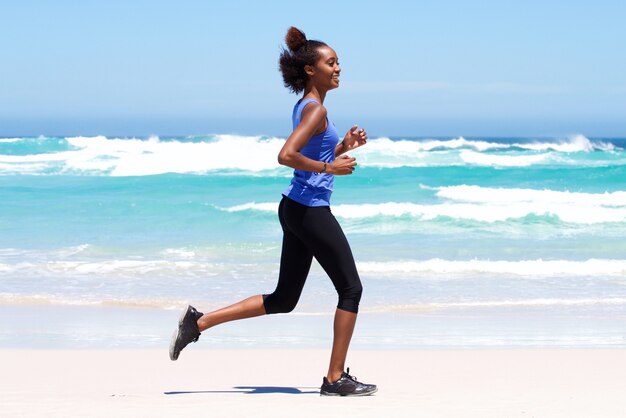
343	328
324	236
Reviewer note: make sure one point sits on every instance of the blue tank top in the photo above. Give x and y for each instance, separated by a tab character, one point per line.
307	188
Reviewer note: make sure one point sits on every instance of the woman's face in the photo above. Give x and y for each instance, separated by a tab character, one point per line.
326	70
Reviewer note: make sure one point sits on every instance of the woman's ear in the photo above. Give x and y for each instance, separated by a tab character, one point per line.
309	70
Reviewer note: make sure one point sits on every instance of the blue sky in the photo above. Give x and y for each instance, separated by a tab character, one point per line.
410	68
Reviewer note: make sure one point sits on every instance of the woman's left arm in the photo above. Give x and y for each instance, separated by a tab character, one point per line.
354	138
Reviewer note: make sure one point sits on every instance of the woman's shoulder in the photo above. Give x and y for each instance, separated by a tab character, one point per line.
311	107
315	113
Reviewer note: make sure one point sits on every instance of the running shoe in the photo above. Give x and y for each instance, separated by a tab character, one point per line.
187	331
346	386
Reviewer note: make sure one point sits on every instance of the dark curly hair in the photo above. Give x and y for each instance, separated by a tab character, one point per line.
300	52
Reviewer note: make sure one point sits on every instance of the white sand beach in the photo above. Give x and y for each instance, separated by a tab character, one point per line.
284	383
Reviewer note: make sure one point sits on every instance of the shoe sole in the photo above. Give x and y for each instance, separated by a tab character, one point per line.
181	320
322	393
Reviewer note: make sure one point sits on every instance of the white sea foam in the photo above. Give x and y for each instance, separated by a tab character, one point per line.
477	194
525	268
540	302
93	300
508	303
110	268
575	143
253	154
471	157
403	147
179	253
582	212
485	204
137	157
265	207
175	304
386	153
185	262
58	253
22	167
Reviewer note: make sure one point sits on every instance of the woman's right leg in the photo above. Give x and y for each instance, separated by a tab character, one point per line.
295	263
247	308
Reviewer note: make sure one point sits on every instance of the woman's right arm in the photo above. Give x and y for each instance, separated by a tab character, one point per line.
313	119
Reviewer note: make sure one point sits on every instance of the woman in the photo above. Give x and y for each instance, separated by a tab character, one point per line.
310	230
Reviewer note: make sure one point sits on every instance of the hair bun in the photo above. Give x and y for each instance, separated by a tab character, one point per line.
295	39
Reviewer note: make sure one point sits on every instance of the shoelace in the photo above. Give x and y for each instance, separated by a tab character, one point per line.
353	378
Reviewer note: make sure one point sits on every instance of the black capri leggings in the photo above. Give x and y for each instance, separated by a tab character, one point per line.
312	232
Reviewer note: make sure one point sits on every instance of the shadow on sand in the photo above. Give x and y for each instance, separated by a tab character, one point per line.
253	390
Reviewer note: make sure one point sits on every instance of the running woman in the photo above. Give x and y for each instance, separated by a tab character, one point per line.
309	228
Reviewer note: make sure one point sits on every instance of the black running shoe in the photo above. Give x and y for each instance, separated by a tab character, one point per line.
187	331
346	386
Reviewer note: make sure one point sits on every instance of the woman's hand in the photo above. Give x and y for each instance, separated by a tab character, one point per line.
354	138
342	166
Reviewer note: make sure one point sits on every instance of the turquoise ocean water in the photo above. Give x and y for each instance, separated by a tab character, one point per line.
459	241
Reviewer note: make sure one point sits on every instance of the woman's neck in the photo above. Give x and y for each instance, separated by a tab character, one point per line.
314	93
